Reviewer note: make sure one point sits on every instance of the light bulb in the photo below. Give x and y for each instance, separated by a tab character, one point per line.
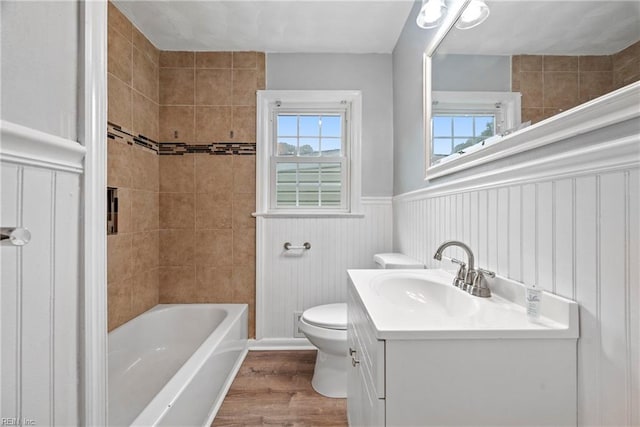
474	14
431	14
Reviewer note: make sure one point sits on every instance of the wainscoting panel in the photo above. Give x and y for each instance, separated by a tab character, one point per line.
290	281
39	315
576	236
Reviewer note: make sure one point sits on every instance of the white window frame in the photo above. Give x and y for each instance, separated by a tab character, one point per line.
272	102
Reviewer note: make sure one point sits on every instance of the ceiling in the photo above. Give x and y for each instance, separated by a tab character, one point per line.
577	27
336	26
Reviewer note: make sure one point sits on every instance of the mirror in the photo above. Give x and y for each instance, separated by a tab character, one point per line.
529	61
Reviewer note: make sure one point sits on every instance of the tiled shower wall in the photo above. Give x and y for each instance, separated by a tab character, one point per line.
132	258
551	84
207	177
182	155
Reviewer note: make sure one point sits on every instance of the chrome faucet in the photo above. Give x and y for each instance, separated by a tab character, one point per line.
468	278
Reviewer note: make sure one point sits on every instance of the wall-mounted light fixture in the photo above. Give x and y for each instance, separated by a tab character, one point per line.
431	13
474	14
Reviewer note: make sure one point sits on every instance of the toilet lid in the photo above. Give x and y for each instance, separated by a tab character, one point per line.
331	316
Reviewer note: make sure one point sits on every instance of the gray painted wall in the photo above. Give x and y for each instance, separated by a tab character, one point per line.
370	73
471	72
39	45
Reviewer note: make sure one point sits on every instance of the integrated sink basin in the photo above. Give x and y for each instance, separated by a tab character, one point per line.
408	304
415	292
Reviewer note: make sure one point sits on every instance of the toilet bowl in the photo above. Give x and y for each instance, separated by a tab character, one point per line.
325	326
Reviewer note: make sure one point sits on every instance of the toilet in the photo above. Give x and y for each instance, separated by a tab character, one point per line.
325	326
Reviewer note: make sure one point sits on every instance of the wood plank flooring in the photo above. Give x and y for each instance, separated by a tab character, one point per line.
274	388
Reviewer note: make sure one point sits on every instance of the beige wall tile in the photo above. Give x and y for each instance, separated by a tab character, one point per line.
177	119
245	84
177	86
244	247
560	90
244	124
145	292
144	210
594	84
118	163
177	59
119	53
213	211
142	43
119	251
177	210
244	59
560	63
118	21
146	246
144	169
144	116
119	303
552	111
530	63
119	103
177	173
214	284
595	63
244	174
533	114
213	87
177	284
243	206
531	89
177	248
244	284
214	174
262	70
214	248
125	224
213	124
145	75
213	59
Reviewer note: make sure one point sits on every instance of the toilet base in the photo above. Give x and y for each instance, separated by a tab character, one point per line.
330	375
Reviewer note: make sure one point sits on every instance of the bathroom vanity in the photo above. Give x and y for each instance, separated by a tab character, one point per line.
423	352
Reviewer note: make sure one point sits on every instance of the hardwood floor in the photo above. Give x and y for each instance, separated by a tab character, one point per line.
274	388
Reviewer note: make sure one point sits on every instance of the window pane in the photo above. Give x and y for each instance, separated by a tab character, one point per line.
484	126
309	126
330	184
287	125
287	146
442	146
462	143
308	184
309	147
331	146
441	126
463	126
332	126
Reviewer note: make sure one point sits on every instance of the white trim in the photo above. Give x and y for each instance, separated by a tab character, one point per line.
92	134
304	214
27	146
280	344
609	109
606	156
377	200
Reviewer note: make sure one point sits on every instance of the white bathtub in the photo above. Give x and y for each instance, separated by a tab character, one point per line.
172	365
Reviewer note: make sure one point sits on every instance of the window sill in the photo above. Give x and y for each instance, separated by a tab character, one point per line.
307	215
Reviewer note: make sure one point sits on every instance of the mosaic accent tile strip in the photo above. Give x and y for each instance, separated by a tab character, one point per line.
216	148
179	148
116	132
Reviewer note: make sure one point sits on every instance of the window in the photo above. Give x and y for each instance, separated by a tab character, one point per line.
309	148
452	133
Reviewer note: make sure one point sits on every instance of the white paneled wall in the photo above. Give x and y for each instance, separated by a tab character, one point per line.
295	280
576	234
39	293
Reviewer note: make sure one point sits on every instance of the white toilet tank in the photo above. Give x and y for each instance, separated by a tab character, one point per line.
396	260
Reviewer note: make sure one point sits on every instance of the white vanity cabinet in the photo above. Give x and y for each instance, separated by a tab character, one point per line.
454	378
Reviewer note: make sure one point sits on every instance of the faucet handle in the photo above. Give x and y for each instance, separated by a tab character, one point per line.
457	261
487	273
479	286
461	275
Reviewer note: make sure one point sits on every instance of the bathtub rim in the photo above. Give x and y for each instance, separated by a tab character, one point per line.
165	398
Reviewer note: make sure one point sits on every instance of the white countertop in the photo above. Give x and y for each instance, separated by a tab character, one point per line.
500	316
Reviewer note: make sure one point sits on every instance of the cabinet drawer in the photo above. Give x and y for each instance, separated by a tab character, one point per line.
371	350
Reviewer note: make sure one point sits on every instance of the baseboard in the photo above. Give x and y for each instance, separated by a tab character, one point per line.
280	344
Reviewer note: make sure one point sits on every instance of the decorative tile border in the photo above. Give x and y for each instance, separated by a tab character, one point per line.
180	148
